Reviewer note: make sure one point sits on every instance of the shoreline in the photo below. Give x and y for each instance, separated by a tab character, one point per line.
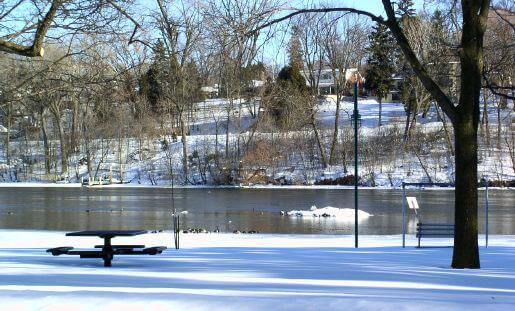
244	187
247	187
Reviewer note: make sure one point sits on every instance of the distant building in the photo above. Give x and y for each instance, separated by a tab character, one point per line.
394	93
326	78
210	91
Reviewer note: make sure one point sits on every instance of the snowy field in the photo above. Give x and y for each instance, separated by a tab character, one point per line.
254	272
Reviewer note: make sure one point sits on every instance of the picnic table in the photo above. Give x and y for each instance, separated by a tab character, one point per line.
107	250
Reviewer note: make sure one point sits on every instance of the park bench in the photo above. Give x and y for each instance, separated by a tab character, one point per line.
107	250
434	231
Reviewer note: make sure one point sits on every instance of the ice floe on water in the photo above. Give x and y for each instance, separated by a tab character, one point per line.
344	214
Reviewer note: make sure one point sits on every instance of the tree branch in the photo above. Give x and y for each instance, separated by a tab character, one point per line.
36	49
430	85
504	18
375	18
124	13
494	88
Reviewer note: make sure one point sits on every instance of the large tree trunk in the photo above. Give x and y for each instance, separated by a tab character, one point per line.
464	117
466	252
466	123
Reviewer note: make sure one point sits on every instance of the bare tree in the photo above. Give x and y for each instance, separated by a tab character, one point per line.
344	44
464	115
24	25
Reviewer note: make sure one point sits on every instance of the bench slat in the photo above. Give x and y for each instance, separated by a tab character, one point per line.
434	230
122	246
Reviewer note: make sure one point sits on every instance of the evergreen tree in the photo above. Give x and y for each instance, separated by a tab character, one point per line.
295	50
150	83
290	84
290	76
380	63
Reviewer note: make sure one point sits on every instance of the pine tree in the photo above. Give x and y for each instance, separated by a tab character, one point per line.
291	77
150	83
295	50
290	80
380	63
290	84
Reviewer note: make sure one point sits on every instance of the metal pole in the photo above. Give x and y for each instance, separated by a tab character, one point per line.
175	217
356	114
486	215
403	215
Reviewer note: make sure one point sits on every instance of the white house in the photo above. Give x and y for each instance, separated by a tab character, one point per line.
326	81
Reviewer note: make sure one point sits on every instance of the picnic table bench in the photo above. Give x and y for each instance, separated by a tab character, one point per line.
107	250
434	230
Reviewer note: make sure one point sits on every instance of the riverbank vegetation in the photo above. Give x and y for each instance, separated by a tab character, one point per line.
94	106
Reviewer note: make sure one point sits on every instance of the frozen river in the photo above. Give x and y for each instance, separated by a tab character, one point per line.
234	209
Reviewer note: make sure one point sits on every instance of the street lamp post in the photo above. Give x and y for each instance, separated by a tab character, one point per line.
356	118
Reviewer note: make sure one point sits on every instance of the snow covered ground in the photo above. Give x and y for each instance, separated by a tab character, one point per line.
254	272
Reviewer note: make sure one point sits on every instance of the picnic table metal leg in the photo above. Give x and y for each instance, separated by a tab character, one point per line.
107	252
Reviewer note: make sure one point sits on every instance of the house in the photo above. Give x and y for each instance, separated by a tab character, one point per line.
210	91
325	78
